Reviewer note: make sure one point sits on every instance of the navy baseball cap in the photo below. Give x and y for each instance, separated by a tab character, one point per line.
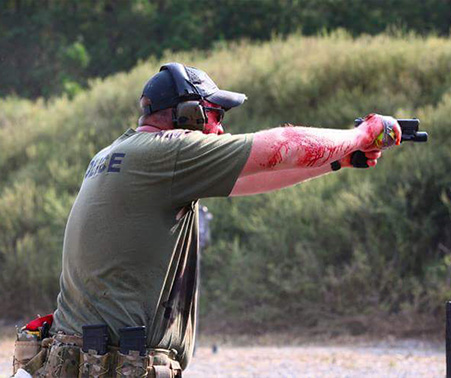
176	83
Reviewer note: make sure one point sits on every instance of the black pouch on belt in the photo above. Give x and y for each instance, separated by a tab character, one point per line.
94	359
132	338
95	338
132	357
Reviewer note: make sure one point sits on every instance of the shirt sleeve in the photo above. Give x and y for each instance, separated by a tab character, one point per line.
208	165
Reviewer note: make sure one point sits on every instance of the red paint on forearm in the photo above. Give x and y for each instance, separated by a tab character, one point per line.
315	150
291	147
280	150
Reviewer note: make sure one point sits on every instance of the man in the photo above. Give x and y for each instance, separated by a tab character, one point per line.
130	249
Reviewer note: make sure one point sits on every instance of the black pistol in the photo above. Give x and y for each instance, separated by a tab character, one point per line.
410	133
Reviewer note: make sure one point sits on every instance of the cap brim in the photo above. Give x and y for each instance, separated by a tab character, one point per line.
226	99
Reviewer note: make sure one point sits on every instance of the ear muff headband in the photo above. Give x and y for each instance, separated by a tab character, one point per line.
185	89
188	114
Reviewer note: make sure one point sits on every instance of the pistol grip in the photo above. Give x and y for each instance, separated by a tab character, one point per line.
359	160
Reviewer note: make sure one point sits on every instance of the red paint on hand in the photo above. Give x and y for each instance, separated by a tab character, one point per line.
373	127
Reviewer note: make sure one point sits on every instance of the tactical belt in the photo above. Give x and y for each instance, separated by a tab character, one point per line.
62	356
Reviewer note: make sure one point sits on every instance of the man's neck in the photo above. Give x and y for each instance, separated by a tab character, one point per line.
149	129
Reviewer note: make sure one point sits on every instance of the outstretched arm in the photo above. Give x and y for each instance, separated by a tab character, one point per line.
284	156
269	181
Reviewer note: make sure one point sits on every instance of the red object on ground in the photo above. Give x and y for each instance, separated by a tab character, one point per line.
38	322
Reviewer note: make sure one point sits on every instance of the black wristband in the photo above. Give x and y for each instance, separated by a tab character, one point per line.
335	165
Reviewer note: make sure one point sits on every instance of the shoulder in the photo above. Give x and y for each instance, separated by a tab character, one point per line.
223	139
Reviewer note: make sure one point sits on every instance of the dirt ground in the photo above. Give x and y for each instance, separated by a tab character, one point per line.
346	358
406	360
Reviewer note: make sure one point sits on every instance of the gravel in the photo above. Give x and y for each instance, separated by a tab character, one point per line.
377	359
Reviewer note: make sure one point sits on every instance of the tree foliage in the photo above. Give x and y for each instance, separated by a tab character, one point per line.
49	47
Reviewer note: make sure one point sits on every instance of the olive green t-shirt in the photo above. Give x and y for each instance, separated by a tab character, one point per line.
130	246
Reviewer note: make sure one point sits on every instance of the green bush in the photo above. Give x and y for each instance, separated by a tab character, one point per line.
353	245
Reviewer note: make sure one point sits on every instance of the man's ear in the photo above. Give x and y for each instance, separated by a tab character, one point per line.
144	101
